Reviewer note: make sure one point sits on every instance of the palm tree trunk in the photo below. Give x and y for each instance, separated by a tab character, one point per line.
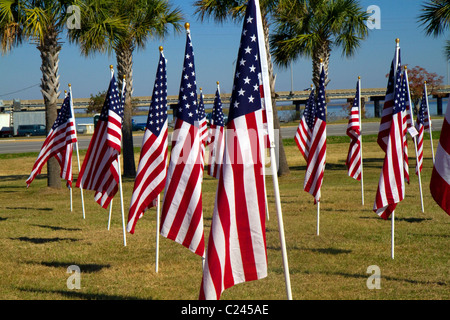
283	167
322	52
49	50
124	57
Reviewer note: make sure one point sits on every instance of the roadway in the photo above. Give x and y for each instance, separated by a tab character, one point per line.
34	144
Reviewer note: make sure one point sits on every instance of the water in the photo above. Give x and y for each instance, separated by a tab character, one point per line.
336	111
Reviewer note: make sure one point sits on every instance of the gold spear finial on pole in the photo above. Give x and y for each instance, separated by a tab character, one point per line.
161	48
187	25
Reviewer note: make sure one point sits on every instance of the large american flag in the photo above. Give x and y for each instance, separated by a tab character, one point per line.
353	161
151	173
306	125
237	242
182	214
58	144
440	178
422	124
216	137
100	170
391	186
386	115
318	145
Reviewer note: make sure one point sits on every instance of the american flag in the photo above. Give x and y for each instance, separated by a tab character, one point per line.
182	213
391	186
422	124
353	161
306	125
58	144
318	145
151	173
440	178
216	137
386	115
100	170
237	242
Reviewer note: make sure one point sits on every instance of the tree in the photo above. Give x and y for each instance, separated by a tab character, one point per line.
39	22
313	28
417	76
435	18
222	10
123	26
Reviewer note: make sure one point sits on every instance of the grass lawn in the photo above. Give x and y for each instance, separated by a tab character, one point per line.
40	238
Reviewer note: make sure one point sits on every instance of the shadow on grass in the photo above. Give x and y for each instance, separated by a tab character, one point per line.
29	208
84	267
43	240
56	228
81	295
18	177
373	162
332	251
409	220
365	276
3	219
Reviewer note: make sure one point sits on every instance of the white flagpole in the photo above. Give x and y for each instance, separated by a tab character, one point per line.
269	112
360	149
121	203
392	233
76	146
415	143
120	179
429	121
110	213
158	212
318	217
418	174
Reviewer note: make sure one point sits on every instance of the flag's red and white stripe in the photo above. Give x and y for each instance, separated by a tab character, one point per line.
353	161
237	245
391	186
58	144
316	160
419	164
440	178
151	175
302	137
182	215
64	159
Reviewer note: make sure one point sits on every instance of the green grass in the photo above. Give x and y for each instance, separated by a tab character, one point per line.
40	238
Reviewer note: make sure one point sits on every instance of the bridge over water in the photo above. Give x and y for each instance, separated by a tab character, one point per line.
297	98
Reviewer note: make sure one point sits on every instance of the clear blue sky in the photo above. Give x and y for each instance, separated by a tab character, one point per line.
216	47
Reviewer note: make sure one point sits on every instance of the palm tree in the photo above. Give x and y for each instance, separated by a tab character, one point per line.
222	10
39	22
436	19
312	28
123	26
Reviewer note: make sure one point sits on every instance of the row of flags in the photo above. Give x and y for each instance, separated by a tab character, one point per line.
236	250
